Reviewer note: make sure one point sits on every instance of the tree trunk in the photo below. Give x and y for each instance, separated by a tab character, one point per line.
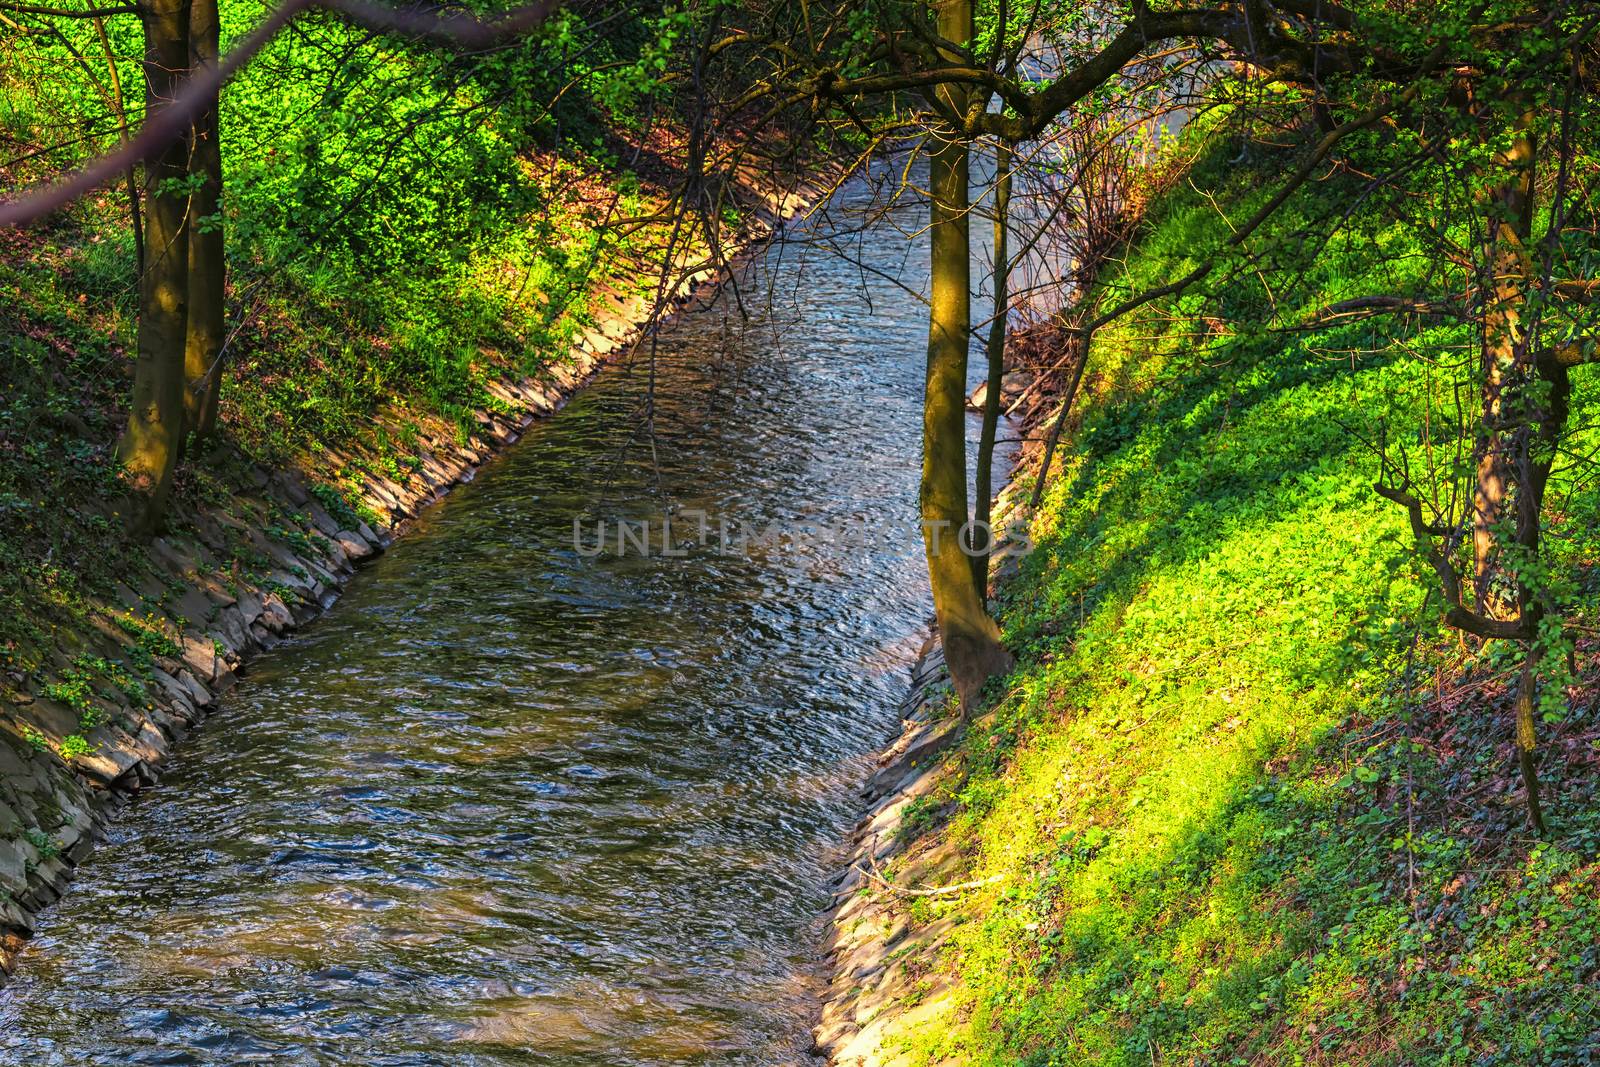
971	640
1525	400
1526	741
150	443
1505	352
207	268
995	350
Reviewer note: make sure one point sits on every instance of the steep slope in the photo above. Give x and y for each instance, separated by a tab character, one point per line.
1242	801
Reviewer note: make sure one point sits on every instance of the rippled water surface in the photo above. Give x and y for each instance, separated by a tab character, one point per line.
509	804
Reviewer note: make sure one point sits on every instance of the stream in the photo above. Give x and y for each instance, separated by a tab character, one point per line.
511	802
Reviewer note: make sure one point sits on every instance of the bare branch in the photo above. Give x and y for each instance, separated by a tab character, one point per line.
68	13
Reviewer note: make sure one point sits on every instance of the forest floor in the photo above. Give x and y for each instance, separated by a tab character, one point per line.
1242	801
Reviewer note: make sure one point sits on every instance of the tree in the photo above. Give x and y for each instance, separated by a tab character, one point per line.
994	349
154	435
1484	544
971	640
207	263
181	265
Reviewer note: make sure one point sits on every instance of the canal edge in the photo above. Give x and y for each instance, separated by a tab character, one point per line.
881	964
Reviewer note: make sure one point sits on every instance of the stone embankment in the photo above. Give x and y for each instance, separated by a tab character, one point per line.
883	978
78	739
885	983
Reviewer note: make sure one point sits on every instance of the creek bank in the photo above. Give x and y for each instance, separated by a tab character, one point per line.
192	618
883	979
879	965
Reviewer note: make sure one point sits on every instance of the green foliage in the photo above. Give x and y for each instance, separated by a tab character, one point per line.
403	223
73	691
403	226
149	634
74	745
76	689
36	740
47	848
1226	827
336	505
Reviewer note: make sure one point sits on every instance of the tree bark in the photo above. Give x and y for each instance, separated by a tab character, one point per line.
1525	401
207	266
1525	738
1509	223
971	639
150	443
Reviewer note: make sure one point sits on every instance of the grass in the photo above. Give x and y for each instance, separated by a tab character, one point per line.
1247	804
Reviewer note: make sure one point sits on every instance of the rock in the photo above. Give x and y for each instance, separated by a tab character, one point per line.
196	608
68	835
199	694
235	631
219	595
355	546
130	600
13	759
274	613
930	742
152	590
335	560
80	848
172	558
210	531
13	868
200	653
301	586
174	689
172	727
1013	384
151	739
386	493
321	576
54	718
249	605
109	762
321	519
12	917
48	884
294	488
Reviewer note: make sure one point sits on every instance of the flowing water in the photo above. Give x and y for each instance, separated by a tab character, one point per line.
511	803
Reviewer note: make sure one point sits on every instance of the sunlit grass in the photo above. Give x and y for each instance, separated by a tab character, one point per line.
1197	787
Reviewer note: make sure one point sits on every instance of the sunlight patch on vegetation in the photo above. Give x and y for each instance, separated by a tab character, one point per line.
1224	828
